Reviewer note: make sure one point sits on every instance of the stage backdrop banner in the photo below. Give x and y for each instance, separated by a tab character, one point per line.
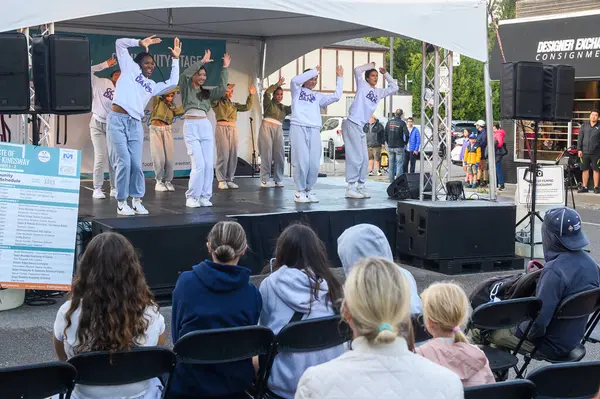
102	47
39	201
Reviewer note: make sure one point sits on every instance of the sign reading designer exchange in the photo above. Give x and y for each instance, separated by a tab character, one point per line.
39	199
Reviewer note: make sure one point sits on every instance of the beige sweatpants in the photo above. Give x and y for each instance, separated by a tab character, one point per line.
161	148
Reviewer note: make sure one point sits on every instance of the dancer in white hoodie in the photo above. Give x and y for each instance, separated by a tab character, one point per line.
124	131
305	126
365	102
301	285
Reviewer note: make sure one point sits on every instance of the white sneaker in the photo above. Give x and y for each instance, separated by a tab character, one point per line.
113	192
267	184
98	194
223	186
301	197
204	202
279	184
160	186
362	190
192	203
138	208
351	192
312	196
231	184
169	186
124	209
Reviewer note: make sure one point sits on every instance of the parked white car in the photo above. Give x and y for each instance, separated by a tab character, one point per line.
455	154
331	136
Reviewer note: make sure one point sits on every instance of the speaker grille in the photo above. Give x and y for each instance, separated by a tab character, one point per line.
14	74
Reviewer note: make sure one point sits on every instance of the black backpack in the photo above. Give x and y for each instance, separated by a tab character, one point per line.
496	289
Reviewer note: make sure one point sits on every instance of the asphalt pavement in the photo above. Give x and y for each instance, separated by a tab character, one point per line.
26	332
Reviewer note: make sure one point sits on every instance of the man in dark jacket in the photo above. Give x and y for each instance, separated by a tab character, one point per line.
568	271
396	136
588	145
375	141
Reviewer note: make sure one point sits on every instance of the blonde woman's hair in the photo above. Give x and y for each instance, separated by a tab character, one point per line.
377	295
227	241
447	305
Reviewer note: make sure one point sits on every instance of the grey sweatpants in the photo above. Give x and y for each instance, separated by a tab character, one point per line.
101	158
226	138
357	157
306	149
161	148
270	147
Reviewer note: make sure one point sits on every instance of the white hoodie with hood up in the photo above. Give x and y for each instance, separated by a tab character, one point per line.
284	292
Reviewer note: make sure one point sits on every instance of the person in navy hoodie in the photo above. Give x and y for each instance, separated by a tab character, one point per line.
568	271
215	294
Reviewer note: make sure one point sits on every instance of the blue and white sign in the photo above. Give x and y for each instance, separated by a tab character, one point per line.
39	200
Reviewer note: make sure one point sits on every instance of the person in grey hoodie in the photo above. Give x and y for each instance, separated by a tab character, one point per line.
366	240
301	287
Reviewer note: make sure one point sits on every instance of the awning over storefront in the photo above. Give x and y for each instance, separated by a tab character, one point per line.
571	39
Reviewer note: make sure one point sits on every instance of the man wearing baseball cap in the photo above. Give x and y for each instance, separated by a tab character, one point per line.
568	271
482	143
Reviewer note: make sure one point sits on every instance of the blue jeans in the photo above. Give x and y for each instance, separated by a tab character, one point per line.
125	137
396	163
499	173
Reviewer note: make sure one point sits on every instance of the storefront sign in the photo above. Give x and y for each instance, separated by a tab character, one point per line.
571	41
39	199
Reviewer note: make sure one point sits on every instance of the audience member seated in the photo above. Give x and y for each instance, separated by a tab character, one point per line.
110	309
301	287
568	271
380	365
445	309
215	294
364	240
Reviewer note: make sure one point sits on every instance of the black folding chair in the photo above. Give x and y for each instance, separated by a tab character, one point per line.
420	332
590	334
306	336
516	389
567	380
576	306
125	367
225	345
37	381
503	315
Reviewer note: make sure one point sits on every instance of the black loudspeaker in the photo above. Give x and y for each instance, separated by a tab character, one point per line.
243	168
14	74
407	186
438	230
61	74
559	92
521	90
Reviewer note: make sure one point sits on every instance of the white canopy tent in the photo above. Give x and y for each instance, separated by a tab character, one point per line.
285	29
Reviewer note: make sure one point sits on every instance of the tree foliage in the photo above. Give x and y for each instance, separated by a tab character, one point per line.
468	99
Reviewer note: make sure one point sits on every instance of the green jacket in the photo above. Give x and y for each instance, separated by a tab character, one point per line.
190	96
225	110
272	109
164	112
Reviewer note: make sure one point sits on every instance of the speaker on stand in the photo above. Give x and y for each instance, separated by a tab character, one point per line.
14	74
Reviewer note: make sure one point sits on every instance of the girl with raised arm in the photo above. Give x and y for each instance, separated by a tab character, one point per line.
198	132
305	138
367	98
125	134
270	136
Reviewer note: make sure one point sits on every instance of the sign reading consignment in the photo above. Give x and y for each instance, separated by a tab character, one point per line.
39	199
571	41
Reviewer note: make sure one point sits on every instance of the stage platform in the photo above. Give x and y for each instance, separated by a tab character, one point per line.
172	237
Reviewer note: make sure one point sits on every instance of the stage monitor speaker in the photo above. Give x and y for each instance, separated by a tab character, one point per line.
14	73
61	74
559	92
521	90
438	230
407	185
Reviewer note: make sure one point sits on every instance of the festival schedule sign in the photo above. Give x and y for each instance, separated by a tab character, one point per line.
39	199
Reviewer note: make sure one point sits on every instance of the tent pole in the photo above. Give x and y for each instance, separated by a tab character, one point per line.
489	120
391	69
262	66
